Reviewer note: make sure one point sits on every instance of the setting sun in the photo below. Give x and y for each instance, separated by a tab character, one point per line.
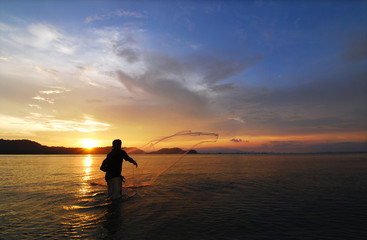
89	143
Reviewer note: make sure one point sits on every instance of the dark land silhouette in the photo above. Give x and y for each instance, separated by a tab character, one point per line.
172	151
31	147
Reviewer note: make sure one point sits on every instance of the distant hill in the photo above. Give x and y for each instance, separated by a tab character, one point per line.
133	150
30	147
173	151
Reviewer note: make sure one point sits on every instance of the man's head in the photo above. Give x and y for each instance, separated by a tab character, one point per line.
116	144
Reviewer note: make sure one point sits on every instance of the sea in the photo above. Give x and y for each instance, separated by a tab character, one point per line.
213	196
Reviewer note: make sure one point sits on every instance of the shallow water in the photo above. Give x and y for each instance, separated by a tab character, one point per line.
201	197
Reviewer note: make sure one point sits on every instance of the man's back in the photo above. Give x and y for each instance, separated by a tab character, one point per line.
115	158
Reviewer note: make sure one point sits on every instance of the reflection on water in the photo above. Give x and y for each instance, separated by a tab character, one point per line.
86	209
85	186
114	222
88	161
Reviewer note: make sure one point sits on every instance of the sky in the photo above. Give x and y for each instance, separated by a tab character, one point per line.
270	76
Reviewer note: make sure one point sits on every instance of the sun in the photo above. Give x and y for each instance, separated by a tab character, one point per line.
89	143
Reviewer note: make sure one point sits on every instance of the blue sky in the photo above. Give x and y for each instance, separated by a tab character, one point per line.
266	72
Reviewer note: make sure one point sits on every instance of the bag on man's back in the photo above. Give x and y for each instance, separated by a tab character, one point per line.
105	165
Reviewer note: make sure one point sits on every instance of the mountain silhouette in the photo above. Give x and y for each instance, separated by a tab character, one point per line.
31	147
173	151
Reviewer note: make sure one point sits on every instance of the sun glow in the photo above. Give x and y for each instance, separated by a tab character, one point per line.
89	143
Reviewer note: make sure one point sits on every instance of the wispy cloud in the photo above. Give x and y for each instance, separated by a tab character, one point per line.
355	47
4	58
42	36
116	13
46	48
36	122
166	90
125	13
188	82
43	99
87	126
35	106
47	92
237	140
45	122
306	146
41	96
93	18
48	72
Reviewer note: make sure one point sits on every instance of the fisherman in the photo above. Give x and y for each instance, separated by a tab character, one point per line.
112	165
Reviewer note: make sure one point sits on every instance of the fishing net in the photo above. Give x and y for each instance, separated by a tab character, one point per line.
160	154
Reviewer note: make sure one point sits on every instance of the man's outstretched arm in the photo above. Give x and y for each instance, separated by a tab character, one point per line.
129	159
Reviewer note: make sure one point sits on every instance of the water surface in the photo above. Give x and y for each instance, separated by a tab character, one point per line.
201	197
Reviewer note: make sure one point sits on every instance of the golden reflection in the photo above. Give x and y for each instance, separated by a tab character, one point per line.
88	161
85	186
79	217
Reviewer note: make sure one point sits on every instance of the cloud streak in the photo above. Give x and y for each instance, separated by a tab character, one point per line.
355	47
113	14
40	122
237	140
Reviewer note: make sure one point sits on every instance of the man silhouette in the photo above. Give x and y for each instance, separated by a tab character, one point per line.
112	165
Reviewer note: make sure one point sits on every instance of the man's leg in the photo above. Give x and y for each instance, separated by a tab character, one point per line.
109	188
114	188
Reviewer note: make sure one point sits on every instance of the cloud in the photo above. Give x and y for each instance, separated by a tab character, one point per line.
44	122
186	81
48	37
190	83
47	92
93	18
35	106
87	125
116	13
127	48
39	45
43	99
43	35
215	69
355	47
237	140
125	13
332	92
198	71
4	58
130	54
333	101
50	124
307	147
48	72
163	89
55	90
